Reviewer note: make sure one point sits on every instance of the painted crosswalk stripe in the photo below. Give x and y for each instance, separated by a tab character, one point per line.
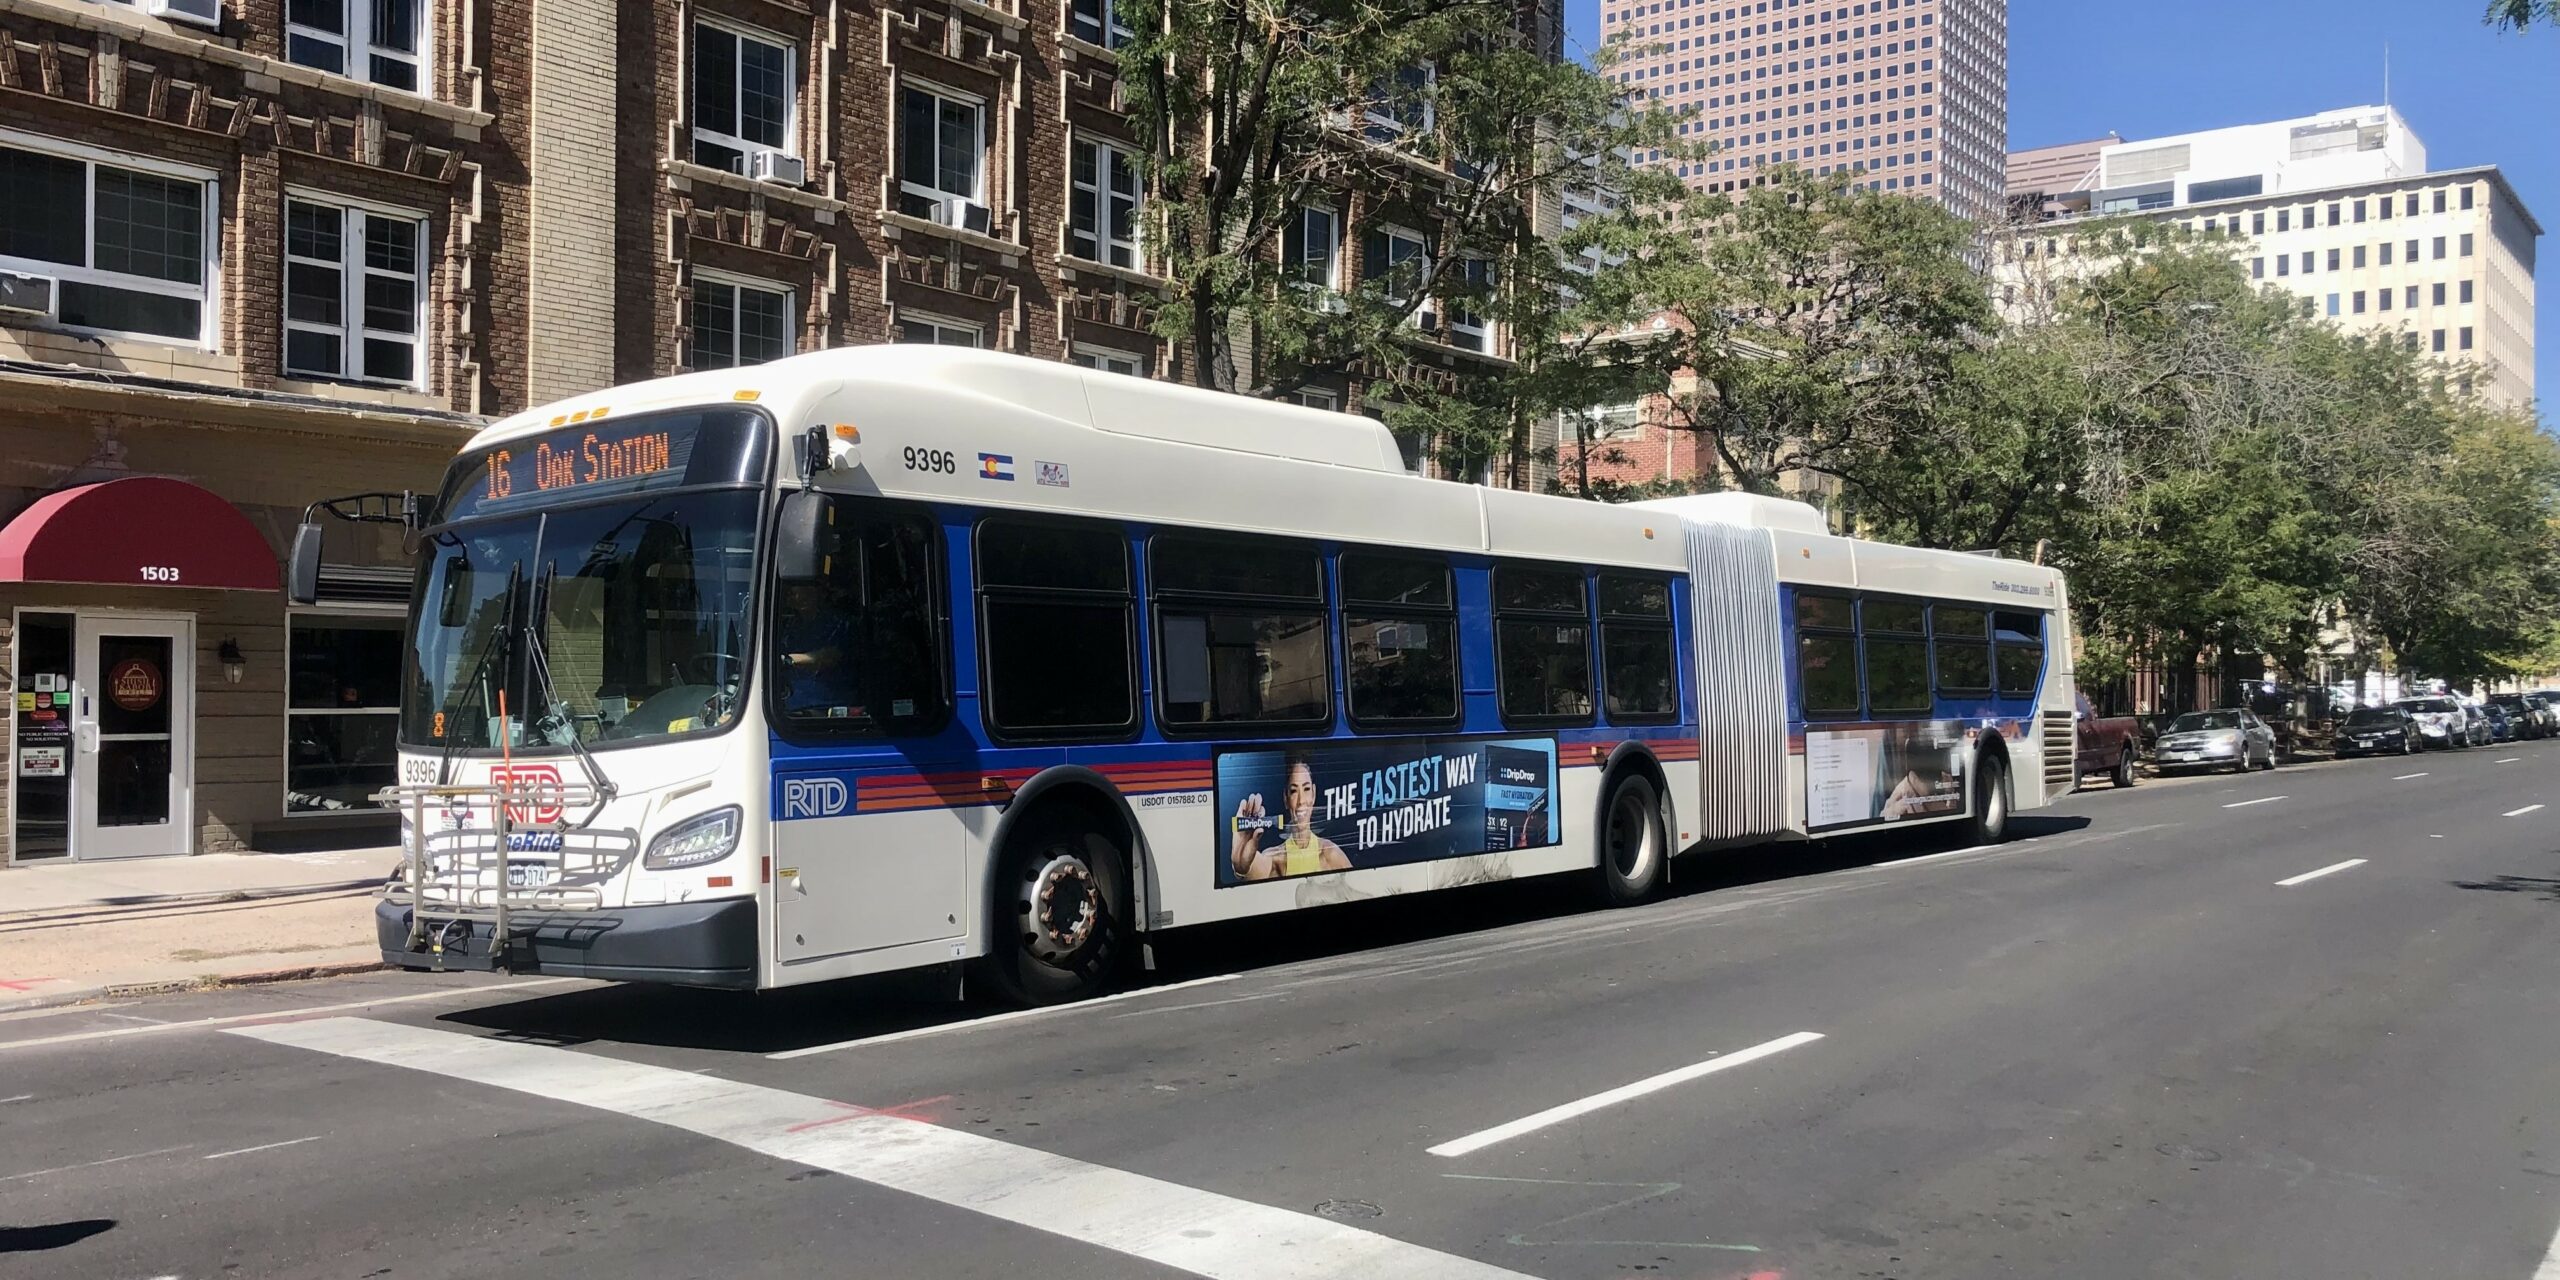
1181	1227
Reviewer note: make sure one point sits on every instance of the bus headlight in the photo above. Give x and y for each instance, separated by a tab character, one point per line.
696	841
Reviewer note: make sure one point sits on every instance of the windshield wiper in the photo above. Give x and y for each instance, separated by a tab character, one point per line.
488	654
559	722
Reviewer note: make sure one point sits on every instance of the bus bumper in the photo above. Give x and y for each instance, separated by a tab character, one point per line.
693	944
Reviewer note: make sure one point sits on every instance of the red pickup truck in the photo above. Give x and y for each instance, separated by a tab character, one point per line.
2108	745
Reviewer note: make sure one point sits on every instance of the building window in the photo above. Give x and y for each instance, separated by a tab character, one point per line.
2333	259
2410	299
2439	199
354	293
2439	248
738	322
2356	303
942	154
2439	293
2359	257
2386	253
2466	338
1098	22
2384	297
924	331
342	710
2466	197
1394	261
1054	616
2466	244
383	41
2466	292
1108	361
1399	640
2257	268
1315	398
2284	264
1240	633
1310	247
1103	204
2439	342
1468	327
1401	104
742	98
2333	304
127	246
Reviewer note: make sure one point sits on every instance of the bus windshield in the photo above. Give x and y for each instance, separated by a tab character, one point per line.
606	611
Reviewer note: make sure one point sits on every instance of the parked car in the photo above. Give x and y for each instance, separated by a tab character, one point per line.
2441	722
2475	725
2502	727
2107	744
2528	712
2378	731
2542	712
2231	738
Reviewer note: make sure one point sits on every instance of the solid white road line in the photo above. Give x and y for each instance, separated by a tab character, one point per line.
1557	1115
2518	813
2243	804
1161	1222
2314	875
994	1019
2508	760
274	1015
293	1142
2406	776
92	1164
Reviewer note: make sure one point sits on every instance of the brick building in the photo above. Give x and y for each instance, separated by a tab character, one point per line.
265	252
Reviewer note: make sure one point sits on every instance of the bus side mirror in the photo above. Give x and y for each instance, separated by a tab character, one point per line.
799	537
302	570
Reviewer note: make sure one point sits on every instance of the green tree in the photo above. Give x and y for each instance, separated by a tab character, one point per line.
2517	15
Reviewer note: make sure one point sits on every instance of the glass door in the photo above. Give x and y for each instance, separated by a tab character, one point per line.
133	712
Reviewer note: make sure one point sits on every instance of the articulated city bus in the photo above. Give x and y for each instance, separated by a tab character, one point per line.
900	656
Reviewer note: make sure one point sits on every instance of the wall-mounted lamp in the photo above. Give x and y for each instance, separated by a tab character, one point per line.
234	664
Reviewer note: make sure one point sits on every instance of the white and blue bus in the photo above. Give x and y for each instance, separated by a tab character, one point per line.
896	656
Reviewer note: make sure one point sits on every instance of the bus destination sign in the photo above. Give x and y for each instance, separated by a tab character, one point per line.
559	466
609	459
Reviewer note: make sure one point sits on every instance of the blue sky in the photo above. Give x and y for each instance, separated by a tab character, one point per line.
2474	96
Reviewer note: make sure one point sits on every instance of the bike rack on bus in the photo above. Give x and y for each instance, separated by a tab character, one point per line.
470	880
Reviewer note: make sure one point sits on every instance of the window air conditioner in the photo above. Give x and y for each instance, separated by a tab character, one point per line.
774	166
25	295
203	13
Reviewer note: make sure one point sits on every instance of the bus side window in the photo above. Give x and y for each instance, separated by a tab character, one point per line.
1961	641
1240	633
1055	610
861	648
1399	639
2020	640
1827	655
1638	672
1895	637
1542	644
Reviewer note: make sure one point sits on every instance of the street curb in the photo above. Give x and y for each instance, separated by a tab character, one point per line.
201	982
123	906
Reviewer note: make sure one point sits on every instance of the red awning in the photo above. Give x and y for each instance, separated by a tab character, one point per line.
146	531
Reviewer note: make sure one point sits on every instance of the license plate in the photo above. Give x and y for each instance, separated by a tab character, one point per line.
529	875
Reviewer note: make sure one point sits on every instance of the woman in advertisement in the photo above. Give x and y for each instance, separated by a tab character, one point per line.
1300	851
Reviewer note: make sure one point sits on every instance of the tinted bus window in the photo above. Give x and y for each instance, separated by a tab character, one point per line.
1638	672
1240	633
1894	635
2020	638
864	647
1055	611
1827	654
1399	639
1542	645
1963	649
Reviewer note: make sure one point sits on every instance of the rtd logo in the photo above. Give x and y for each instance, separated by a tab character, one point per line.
533	792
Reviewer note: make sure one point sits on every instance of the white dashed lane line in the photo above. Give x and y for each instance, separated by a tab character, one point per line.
1184	1228
2243	804
2406	776
2331	869
1483	1138
2518	813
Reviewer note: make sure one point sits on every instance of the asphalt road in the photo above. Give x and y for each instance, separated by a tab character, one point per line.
2119	1046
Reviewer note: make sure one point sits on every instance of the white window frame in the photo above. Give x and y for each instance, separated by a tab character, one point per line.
977	193
707	277
1107	237
747	150
1480	328
1621	421
1421	317
1332	281
208	293
1385	118
908	320
352	270
1112	360
1114	32
325	615
357	50
1316	398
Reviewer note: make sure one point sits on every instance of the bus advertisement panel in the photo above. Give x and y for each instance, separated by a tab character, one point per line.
1884	773
1342	806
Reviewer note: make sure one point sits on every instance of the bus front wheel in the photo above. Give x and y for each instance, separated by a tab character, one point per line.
1060	923
1633	843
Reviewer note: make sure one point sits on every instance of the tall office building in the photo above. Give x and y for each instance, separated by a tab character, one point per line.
1910	95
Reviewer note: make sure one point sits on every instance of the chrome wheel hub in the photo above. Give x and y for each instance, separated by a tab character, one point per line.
1060	907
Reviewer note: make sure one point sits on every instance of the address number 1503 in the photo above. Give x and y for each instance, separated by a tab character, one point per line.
159	573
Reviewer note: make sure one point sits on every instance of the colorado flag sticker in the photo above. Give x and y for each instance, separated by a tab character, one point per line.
995	466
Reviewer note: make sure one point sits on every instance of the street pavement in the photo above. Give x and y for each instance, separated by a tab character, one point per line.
2142	1040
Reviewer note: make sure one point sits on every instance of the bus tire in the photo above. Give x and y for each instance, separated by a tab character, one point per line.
1059	928
1990	822
1634	844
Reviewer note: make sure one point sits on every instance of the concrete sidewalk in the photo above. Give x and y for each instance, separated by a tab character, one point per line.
81	931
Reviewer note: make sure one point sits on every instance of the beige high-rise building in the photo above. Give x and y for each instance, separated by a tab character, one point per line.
1909	95
2339	208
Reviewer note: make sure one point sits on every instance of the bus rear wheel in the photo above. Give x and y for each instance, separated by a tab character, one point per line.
1990	823
1060	920
1633	842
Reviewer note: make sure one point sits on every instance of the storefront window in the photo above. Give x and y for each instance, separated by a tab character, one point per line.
42	770
342	701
